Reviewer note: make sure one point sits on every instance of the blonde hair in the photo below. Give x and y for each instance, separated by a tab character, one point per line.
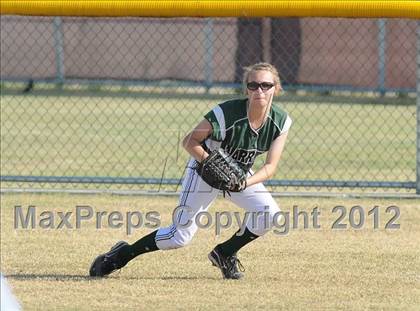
261	67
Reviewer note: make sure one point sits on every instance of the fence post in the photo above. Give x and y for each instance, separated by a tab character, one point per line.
418	112
266	39
382	55
208	59
59	51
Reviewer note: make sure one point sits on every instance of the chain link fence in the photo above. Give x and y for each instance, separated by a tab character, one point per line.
103	103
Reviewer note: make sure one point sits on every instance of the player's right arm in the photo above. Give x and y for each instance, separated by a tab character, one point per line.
192	142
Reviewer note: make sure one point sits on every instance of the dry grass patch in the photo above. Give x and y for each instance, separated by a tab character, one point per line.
319	269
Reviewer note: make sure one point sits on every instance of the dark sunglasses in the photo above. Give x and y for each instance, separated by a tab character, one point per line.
253	86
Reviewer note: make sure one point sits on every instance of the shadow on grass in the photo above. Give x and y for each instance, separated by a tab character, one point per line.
50	277
80	277
169	278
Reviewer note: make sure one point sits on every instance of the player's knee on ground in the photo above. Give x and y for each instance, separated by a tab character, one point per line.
260	221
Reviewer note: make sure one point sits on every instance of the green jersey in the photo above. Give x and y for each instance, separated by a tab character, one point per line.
233	132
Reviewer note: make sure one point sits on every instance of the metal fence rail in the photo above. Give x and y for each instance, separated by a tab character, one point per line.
105	102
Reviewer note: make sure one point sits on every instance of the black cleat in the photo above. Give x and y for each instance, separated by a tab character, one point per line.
107	263
228	265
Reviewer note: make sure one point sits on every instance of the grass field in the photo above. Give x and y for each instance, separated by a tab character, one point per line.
135	136
313	269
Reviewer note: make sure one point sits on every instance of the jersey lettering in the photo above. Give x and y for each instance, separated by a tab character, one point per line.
245	157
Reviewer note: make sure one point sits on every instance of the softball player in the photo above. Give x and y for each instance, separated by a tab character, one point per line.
244	128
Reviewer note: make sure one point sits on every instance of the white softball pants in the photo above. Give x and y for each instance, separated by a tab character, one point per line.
197	196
